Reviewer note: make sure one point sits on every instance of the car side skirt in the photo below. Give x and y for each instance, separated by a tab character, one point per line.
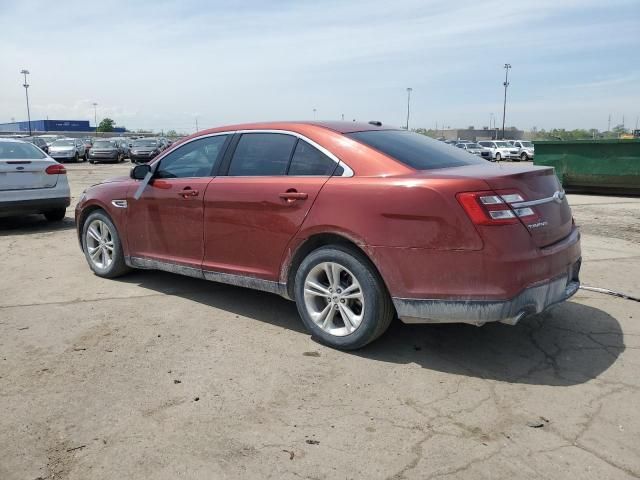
221	277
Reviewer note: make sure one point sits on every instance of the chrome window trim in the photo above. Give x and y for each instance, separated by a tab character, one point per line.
348	172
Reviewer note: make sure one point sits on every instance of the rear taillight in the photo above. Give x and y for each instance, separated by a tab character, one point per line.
494	208
56	169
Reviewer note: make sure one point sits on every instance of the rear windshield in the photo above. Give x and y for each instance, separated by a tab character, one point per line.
19	151
415	150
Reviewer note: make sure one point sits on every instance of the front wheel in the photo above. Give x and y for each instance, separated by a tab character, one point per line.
76	158
102	246
524	157
498	157
341	298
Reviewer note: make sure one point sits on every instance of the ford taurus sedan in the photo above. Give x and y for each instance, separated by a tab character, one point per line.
358	223
31	182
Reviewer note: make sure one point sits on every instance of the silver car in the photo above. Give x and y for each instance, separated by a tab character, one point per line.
31	181
501	150
525	148
68	149
476	149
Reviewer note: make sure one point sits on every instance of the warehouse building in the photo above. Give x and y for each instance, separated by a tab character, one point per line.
52	126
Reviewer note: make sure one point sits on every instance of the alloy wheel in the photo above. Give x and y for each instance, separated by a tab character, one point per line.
100	244
334	299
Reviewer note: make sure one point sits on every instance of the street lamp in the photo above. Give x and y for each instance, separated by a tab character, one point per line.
507	66
95	116
314	113
409	90
25	72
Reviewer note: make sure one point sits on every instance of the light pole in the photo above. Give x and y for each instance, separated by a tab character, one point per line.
314	113
25	72
95	116
507	66
409	90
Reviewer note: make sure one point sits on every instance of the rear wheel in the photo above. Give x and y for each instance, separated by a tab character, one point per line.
102	246
524	157
341	298
55	215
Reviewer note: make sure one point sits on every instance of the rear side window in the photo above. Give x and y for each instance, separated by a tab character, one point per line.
262	154
308	160
415	150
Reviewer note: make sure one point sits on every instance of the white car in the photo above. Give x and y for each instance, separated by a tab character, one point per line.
525	149
31	181
501	150
68	149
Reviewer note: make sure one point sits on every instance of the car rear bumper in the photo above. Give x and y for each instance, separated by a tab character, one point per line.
530	301
40	205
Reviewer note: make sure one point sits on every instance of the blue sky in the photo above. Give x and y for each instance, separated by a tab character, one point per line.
162	64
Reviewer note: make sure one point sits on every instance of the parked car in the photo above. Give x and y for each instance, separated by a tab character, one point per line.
500	150
107	151
322	213
525	148
39	142
144	149
476	149
88	143
50	138
31	182
123	144
68	149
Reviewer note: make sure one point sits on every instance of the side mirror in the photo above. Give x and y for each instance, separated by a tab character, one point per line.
140	171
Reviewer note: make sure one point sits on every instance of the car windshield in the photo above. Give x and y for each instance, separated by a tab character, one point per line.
19	151
473	145
104	144
502	145
145	143
527	144
415	150
63	143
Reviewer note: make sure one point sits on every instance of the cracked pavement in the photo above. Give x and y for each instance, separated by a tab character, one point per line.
160	376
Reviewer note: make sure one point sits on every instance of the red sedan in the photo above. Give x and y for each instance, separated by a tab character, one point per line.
356	222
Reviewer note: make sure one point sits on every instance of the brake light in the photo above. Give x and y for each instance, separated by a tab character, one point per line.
56	169
494	208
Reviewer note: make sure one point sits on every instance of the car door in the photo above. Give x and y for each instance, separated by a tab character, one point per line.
253	210
165	223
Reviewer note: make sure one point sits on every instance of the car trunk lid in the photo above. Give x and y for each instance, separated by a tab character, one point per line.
26	174
539	189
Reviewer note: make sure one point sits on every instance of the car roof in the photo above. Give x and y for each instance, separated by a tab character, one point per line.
336	126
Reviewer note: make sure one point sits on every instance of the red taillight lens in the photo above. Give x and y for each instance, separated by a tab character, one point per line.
56	169
495	208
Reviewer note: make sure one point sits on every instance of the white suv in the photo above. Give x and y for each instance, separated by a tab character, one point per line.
525	149
500	150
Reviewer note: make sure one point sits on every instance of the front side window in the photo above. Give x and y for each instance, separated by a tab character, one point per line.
262	154
414	150
308	160
194	159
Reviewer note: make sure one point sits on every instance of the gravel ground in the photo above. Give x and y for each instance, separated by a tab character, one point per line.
159	376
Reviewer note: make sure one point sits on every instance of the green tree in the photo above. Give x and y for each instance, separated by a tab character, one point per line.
172	133
106	125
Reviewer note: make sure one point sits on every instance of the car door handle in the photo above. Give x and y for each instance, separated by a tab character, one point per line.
187	192
293	196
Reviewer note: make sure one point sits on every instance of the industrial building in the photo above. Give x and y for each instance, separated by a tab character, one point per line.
52	126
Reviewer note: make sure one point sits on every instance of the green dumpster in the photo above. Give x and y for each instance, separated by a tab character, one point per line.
607	166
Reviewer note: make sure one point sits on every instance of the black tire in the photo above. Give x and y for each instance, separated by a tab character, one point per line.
498	157
118	266
85	157
524	157
378	308
77	158
55	215
92	161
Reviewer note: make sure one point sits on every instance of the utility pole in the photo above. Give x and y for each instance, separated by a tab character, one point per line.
196	124
25	72
95	116
609	124
314	113
507	66
409	90
343	117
